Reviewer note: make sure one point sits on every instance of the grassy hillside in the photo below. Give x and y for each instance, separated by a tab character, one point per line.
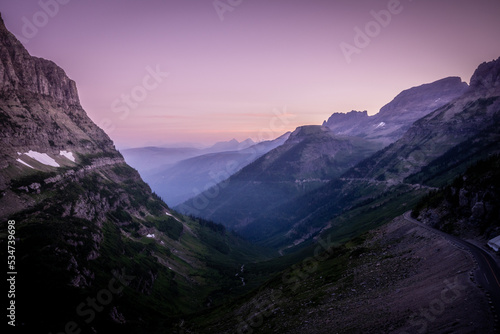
103	225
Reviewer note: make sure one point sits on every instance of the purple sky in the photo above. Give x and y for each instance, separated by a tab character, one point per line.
256	68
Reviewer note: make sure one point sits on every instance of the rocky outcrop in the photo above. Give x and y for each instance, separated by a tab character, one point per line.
487	77
347	123
21	72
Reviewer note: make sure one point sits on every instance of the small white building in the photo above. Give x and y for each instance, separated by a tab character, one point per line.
495	243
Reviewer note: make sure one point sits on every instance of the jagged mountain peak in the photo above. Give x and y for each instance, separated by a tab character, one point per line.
397	116
487	76
247	141
231	145
352	115
21	71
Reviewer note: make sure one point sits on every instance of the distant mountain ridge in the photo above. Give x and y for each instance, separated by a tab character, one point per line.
152	159
317	150
310	157
147	159
435	150
393	119
189	177
231	145
462	130
475	113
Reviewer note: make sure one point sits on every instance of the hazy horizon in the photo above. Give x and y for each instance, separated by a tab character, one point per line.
160	72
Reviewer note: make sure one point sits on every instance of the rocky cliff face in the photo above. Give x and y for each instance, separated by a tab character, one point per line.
40	112
397	116
21	72
84	218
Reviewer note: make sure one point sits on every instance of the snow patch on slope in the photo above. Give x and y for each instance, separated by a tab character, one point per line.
68	155
42	158
24	163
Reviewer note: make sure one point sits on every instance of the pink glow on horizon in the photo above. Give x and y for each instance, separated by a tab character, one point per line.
225	78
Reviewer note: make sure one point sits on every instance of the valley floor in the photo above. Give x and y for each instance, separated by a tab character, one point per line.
402	279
